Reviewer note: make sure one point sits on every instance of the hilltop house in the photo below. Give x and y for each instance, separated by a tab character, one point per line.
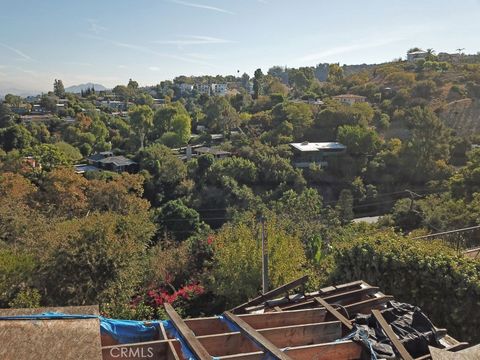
216	153
349	99
416	55
309	153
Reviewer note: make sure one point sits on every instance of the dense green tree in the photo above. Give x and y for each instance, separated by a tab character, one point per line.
257	83
141	120
58	88
220	115
177	219
15	137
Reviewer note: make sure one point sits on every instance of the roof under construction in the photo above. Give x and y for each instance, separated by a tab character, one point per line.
347	321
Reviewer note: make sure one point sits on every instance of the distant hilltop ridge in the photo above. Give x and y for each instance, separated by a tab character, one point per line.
76	89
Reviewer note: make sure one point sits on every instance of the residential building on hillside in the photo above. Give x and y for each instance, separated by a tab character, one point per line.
309	153
107	161
185	88
203	88
217	153
219	89
349	99
414	56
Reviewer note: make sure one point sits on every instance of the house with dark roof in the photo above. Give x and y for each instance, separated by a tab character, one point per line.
106	160
217	153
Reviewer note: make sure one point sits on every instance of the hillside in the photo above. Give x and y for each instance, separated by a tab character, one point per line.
77	89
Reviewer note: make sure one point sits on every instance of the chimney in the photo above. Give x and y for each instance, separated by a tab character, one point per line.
189	151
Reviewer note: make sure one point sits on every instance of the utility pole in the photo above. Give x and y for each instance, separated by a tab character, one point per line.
264	257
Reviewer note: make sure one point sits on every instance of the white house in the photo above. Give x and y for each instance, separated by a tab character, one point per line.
185	88
308	153
203	88
350	99
219	89
416	55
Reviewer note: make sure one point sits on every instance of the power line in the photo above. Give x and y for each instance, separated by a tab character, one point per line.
447	232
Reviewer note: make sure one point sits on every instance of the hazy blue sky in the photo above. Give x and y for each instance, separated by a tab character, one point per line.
108	41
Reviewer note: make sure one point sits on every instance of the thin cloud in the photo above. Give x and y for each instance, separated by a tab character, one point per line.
202	6
194	40
121	66
95	27
78	63
17	51
153	68
143	49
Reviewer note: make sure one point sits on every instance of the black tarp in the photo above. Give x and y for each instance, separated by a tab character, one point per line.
410	324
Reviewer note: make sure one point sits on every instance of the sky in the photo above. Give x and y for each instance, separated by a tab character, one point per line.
110	41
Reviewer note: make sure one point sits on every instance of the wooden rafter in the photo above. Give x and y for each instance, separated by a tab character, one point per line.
345	322
192	342
271	294
253	334
398	346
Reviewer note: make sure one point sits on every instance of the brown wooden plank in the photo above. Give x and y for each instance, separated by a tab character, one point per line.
391	335
197	349
284	318
345	322
287	336
344	350
207	326
367	304
265	344
66	339
271	294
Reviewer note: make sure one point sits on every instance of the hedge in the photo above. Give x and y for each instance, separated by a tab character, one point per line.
445	285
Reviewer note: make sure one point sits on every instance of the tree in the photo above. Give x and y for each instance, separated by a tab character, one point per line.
335	73
236	274
48	156
220	115
58	88
132	84
6	116
164	172
141	120
178	219
257	83
15	137
345	206
95	259
174	120
360	141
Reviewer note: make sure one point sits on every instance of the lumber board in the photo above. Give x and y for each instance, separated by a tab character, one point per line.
271	294
53	339
207	326
281	337
367	304
265	344
284	318
72	310
344	350
391	335
345	322
194	345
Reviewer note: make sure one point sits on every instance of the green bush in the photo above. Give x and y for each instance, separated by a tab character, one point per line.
427	274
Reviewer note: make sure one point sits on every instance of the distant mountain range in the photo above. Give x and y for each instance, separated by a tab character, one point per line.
76	89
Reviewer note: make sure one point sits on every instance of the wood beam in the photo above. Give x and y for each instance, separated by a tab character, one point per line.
261	341
345	350
345	322
271	294
398	346
194	345
287	336
367	304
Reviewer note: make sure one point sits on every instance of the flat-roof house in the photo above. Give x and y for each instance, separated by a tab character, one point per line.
416	55
308	153
217	153
219	89
349	99
107	161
